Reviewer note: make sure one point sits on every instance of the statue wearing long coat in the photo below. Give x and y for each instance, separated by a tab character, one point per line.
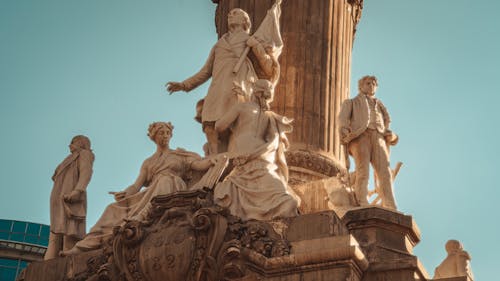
73	173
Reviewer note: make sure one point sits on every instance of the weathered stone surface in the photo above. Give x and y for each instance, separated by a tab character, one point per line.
387	238
65	268
314	226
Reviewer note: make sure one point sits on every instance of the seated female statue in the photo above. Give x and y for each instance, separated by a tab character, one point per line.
164	172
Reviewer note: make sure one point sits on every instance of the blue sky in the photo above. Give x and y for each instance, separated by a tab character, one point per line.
98	68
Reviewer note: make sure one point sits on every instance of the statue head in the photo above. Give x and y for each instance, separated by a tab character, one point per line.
263	91
238	18
368	85
78	143
453	247
160	133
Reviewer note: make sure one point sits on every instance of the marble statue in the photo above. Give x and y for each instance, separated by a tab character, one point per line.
229	61
364	130
164	172
456	264
257	187
68	200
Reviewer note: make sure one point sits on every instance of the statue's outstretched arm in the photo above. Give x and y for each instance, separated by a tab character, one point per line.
135	187
196	80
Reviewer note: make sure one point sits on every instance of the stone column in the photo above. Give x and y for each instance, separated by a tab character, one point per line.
315	76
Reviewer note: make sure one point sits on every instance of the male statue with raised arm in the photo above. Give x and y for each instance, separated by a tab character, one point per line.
220	66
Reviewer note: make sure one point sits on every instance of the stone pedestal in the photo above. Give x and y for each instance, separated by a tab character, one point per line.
387	238
321	250
70	268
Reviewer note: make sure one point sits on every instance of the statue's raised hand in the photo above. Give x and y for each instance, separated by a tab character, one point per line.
175	87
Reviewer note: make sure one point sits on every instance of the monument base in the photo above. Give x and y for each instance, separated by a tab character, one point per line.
187	237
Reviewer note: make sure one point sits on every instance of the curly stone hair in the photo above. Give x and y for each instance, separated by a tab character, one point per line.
81	141
154	127
247	24
364	78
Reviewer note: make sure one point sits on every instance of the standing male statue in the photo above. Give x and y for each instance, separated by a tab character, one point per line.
228	64
68	200
364	129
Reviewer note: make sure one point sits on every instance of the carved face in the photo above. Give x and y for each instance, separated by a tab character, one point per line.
163	136
237	18
263	89
267	94
369	87
74	146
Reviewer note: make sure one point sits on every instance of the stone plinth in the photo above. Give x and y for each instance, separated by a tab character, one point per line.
70	268
387	238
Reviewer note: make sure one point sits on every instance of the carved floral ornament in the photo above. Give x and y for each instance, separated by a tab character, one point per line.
312	161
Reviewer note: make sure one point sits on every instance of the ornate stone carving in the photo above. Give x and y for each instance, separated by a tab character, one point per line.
260	237
187	237
318	165
357	6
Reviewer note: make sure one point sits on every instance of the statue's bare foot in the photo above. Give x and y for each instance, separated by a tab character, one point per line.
70	252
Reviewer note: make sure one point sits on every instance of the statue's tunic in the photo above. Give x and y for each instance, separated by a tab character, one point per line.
220	63
73	173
